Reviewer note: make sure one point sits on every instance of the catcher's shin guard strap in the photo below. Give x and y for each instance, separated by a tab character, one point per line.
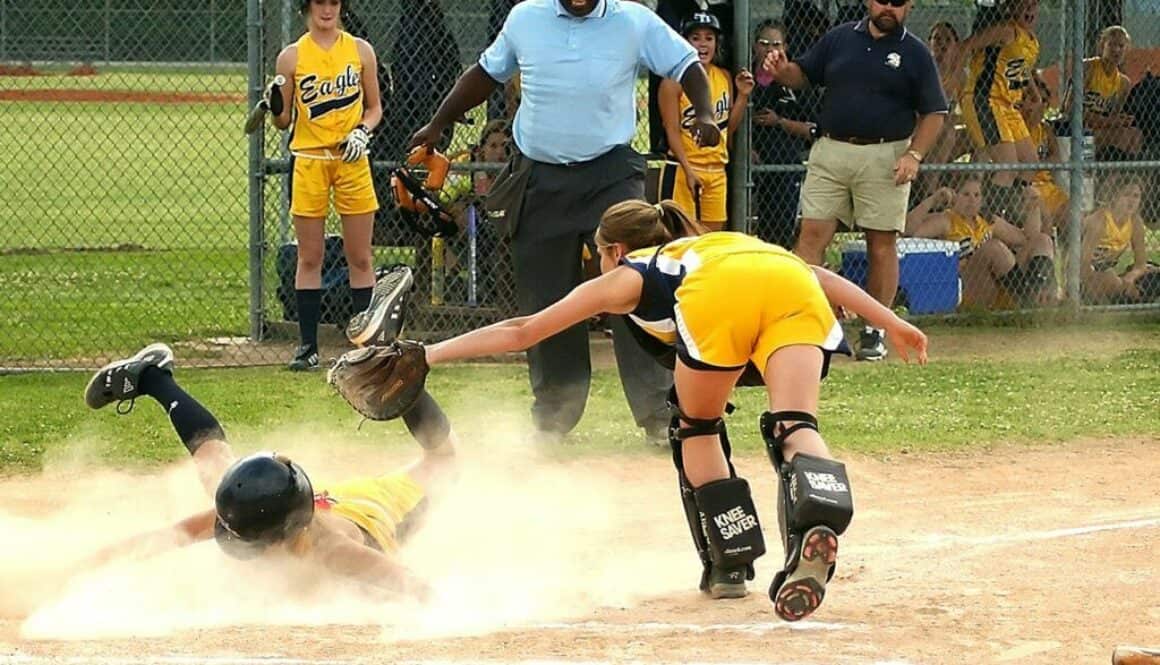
426	422
693	518
775	431
814	492
730	522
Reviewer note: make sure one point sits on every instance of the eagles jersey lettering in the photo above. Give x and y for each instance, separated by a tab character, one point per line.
720	92
328	99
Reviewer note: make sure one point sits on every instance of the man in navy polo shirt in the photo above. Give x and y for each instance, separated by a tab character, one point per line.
882	110
578	62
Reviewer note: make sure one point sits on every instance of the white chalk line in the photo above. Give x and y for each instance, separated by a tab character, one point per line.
944	540
20	659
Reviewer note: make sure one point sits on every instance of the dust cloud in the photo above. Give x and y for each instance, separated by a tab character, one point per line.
518	539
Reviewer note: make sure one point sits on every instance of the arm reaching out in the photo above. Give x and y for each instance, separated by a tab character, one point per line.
843	293
193	529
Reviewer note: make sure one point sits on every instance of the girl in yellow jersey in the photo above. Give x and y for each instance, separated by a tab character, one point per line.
695	176
1108	233
1001	60
1105	89
996	258
332	104
265	503
1043	137
722	308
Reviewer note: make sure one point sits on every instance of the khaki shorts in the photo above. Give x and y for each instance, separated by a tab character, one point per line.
855	185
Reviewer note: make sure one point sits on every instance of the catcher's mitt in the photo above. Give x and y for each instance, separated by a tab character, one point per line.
381	382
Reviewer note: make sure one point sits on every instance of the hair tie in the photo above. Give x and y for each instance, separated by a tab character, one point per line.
659	209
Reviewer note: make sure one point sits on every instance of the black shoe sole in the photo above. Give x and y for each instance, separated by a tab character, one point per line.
803	589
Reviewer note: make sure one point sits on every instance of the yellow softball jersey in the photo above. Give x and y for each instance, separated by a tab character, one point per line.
969	233
1102	85
1001	72
721	94
385	508
1114	241
328	98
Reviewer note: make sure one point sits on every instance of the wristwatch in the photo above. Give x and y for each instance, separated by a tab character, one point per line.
916	155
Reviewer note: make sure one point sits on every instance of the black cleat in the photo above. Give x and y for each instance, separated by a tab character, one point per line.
305	359
382	322
119	380
727	583
799	589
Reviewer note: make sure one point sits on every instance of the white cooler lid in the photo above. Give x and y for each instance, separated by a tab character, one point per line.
911	246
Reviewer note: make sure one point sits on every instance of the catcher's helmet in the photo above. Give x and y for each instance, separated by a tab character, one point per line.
261	500
700	20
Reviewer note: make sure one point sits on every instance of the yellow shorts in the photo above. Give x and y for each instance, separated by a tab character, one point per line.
714	183
991	123
768	299
1053	197
386	508
314	176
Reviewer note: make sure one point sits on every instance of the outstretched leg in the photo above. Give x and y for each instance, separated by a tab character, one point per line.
150	372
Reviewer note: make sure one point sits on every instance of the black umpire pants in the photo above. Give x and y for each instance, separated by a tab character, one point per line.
561	209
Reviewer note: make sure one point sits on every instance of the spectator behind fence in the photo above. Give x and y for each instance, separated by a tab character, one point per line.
1108	232
1052	196
1002	57
882	111
944	46
463	196
577	117
694	176
333	105
998	261
782	133
1105	90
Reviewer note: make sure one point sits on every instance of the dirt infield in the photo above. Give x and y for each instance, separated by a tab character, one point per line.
116	96
1027	555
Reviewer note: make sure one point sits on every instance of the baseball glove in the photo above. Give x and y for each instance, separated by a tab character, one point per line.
381	382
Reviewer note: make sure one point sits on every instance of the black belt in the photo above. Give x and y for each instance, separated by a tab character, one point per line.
859	140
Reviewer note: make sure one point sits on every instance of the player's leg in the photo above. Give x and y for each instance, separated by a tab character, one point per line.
150	372
718	506
810	520
981	273
309	202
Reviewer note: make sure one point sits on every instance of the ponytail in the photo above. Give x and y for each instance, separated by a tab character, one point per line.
638	224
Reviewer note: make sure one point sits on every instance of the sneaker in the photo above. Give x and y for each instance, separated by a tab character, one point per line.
726	583
871	345
799	589
382	321
305	359
119	380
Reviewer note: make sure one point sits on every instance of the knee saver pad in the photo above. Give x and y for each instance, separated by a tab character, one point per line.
816	492
730	523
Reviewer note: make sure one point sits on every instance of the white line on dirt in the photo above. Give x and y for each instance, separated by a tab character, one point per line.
279	660
665	627
943	540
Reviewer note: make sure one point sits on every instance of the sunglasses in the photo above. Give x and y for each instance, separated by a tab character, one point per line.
768	43
893	3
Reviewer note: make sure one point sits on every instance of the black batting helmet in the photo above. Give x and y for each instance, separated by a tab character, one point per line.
700	20
262	499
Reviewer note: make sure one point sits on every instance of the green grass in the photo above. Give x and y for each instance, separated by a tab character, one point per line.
964	404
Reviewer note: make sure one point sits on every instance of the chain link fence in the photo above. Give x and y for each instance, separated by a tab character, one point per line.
134	214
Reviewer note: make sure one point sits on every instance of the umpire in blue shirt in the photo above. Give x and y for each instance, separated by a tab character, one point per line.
578	63
882	110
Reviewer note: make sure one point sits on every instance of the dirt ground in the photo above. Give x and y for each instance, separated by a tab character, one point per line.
1030	555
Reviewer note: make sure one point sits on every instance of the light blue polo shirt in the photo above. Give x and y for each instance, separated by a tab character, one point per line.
578	75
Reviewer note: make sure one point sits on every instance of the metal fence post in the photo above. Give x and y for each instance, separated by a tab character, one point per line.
257	177
1076	176
739	185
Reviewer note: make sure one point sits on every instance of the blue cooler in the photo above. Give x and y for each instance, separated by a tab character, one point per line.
928	275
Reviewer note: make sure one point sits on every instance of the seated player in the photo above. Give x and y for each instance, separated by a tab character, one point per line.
1108	232
1047	147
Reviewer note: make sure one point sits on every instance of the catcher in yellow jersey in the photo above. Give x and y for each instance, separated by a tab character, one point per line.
265	502
1108	233
722	308
695	175
331	104
1002	58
